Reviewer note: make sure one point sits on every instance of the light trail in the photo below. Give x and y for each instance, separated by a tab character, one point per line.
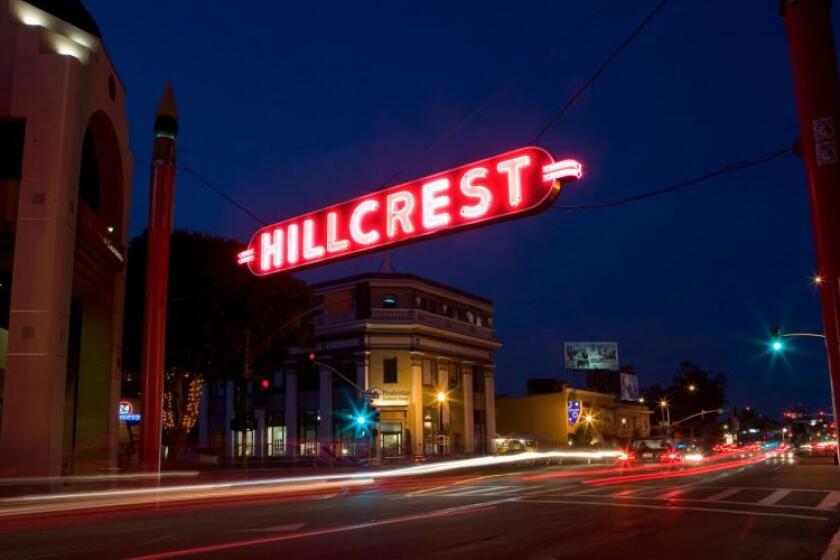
691	471
95	478
67	501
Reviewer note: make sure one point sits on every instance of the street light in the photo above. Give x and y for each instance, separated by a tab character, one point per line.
692	388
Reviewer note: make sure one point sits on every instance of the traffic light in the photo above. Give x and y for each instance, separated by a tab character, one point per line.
776	343
264	384
312	356
361	420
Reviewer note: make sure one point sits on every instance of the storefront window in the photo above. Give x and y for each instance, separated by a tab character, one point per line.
243	443
275	438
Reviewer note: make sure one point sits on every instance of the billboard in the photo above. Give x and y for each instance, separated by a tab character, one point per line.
591	355
502	187
629	386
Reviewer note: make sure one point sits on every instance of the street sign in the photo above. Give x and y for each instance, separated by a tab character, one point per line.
369	396
503	187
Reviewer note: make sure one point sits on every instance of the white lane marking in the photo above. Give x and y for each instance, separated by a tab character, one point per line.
720	496
275	529
675	507
774	497
831	501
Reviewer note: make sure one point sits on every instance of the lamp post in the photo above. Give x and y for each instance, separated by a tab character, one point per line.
441	398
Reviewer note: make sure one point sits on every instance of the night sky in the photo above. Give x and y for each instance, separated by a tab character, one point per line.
292	106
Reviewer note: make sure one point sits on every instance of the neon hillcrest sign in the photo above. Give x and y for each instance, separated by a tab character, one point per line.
510	185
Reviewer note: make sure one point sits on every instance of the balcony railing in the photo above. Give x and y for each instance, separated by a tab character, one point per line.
380	315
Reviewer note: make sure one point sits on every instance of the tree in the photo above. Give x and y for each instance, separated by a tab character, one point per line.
216	309
691	390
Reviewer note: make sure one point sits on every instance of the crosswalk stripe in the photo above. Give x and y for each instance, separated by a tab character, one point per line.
722	495
774	497
831	501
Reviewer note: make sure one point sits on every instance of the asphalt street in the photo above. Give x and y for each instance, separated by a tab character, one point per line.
776	508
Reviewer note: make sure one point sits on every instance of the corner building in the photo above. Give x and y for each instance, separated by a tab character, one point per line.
65	187
425	349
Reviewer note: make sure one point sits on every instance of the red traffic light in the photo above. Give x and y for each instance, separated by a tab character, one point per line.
264	383
312	356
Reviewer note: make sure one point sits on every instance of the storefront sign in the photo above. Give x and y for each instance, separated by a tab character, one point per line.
574	411
391	397
503	187
127	414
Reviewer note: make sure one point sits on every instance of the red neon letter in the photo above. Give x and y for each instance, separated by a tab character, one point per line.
432	201
292	236
271	250
310	250
512	167
482	193
400	205
359	236
334	244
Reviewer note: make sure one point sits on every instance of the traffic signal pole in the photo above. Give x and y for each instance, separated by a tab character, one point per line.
817	90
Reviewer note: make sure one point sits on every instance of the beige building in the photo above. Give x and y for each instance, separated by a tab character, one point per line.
572	417
65	185
426	351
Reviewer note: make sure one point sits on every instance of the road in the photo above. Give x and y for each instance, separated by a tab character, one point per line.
775	508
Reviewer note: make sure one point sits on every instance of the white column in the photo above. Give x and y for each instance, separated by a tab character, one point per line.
363	370
259	433
490	407
416	407
203	415
469	415
325	425
443	385
229	394
292	447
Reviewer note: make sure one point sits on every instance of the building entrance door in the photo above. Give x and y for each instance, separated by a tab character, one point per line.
391	438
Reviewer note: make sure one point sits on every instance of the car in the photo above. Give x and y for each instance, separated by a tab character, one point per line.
653	450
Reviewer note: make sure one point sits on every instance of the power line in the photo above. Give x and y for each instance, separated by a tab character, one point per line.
726	169
222	194
588	83
503	90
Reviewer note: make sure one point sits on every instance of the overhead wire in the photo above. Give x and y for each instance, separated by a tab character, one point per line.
598	71
724	170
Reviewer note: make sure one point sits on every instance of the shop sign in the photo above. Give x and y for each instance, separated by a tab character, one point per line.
503	187
391	397
127	414
574	411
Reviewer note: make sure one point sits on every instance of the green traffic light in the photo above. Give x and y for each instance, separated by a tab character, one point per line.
777	346
361	420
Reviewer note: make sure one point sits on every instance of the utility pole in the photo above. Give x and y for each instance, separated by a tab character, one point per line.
161	202
817	89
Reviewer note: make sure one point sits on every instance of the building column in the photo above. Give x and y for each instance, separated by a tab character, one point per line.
259	432
415	421
230	393
325	409
363	370
490	407
443	412
203	413
292	447
469	408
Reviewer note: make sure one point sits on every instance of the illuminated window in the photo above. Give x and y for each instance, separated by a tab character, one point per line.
478	321
389	302
470	317
389	370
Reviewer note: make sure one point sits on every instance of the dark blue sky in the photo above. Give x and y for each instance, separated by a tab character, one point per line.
291	106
